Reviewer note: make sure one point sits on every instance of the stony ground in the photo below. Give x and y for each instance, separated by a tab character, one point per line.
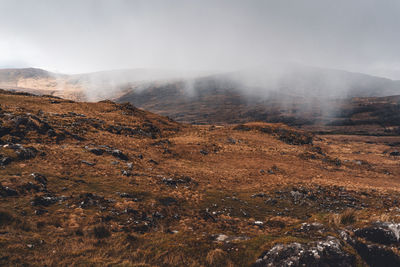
109	184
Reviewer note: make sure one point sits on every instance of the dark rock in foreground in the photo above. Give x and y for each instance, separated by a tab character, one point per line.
329	252
381	232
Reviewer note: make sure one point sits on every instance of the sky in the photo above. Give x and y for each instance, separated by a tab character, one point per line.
75	36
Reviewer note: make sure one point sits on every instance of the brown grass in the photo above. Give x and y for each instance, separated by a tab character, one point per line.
181	233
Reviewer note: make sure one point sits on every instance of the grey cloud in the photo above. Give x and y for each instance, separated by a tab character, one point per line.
87	35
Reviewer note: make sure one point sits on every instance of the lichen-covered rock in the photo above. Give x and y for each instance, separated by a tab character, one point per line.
329	252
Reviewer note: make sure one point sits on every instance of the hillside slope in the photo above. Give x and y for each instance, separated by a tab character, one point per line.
109	184
220	101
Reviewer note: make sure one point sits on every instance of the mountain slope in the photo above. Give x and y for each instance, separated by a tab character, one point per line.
299	99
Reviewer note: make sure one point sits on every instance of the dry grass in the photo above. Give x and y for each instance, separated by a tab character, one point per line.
146	232
216	257
348	217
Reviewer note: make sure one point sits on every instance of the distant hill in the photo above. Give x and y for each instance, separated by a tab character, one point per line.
316	98
297	96
81	87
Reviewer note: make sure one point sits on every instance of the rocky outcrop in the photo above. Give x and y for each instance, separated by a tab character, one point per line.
329	252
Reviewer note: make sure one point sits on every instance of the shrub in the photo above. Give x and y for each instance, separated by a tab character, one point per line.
348	217
101	231
6	217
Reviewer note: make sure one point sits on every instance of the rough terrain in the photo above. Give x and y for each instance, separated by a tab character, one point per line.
109	184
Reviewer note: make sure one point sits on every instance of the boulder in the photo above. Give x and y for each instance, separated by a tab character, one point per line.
381	232
328	252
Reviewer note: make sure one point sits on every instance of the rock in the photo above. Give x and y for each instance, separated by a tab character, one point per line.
204	152
129	165
329	252
88	163
258	223
230	140
26	153
126	173
315	226
381	232
5	160
259	195
395	153
376	256
127	195
118	154
43	201
175	181
5	191
153	161
96	151
89	199
296	195
221	238
40	178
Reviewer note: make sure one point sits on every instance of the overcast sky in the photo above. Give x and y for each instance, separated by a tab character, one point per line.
90	35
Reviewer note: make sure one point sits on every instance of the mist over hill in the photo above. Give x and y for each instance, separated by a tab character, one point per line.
301	96
293	94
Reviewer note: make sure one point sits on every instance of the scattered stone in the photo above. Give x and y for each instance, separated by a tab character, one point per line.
88	200
118	154
5	191
5	160
88	163
259	223
44	201
96	151
40	178
26	153
315	226
395	153
126	173
230	140
259	195
204	152
296	195
127	195
221	238
153	161
174	182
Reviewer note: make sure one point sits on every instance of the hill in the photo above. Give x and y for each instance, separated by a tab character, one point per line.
300	100
110	184
93	86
